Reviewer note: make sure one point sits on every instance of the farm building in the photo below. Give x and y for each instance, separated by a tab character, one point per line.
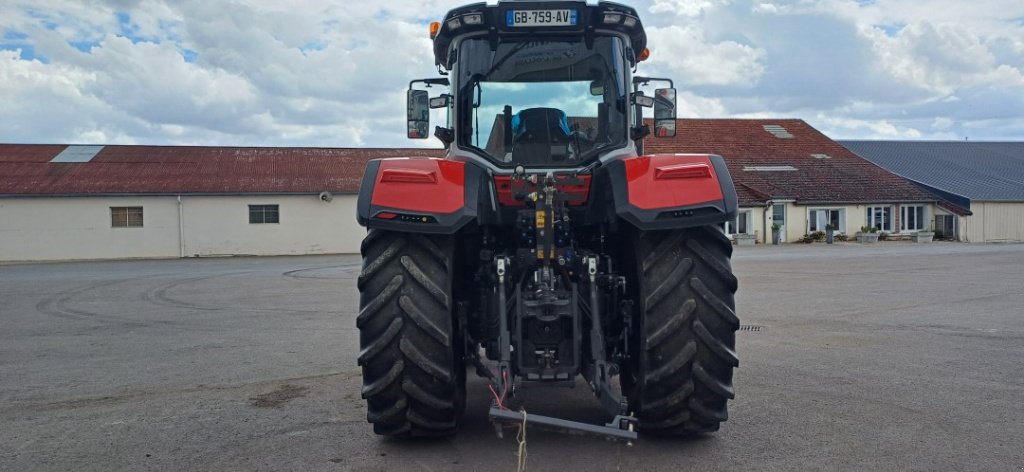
61	202
112	202
789	174
985	181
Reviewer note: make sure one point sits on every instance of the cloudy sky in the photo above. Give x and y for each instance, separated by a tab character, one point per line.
334	72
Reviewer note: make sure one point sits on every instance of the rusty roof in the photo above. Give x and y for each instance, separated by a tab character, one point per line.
807	166
27	170
773	159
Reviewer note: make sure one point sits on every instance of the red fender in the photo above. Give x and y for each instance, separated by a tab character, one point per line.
426	195
667	191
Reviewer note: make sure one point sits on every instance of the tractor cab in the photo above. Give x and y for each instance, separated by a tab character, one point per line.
540	85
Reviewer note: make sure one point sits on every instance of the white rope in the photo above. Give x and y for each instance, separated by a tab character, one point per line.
521	437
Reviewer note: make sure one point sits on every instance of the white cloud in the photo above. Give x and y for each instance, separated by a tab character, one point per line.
690	8
334	72
684	52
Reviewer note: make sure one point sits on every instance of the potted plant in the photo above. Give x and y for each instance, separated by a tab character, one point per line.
830	233
776	233
922	236
867	234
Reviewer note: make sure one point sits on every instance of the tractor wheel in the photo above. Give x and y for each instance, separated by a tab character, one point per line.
679	377
413	376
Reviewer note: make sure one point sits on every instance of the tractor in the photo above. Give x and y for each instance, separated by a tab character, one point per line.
546	246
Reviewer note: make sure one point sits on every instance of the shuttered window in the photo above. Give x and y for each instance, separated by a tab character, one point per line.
264	214
125	217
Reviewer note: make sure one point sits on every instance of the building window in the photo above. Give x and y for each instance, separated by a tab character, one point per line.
819	219
125	217
743	224
912	218
880	217
264	214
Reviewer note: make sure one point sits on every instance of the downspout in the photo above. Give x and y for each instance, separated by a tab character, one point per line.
181	229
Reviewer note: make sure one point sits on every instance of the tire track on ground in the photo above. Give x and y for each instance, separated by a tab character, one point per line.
58	305
61	305
296	274
41	404
159	296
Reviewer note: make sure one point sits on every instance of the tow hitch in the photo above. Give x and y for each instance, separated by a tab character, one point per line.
622	428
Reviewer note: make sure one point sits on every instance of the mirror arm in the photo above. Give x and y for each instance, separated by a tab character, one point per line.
428	82
647	80
637	133
446	135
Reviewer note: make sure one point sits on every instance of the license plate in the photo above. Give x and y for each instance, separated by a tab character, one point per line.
528	18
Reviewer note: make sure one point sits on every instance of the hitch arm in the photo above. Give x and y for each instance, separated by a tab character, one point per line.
621	428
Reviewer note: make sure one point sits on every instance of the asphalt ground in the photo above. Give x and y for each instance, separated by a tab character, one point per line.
894	356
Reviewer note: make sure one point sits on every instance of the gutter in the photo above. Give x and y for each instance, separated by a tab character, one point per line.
181	228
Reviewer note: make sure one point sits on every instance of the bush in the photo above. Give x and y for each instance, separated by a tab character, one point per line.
868	229
841	237
817	236
883	236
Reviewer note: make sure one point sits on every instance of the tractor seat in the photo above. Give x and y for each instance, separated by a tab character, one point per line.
540	136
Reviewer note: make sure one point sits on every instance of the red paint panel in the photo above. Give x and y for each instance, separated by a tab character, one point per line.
686	179
445	195
504	185
408	176
683	171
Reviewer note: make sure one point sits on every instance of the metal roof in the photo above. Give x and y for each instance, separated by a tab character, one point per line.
778	131
77	154
974	170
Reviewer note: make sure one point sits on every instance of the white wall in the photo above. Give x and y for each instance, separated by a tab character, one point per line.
220	226
40	229
69	228
994	222
756	221
855	216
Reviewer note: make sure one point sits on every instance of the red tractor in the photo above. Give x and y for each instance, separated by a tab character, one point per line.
546	240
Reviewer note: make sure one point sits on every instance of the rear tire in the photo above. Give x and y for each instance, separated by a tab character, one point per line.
413	376
683	350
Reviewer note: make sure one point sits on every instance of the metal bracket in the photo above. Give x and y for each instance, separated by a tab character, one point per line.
503	379
599	374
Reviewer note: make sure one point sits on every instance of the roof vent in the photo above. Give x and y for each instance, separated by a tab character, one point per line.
77	154
821	156
768	168
778	131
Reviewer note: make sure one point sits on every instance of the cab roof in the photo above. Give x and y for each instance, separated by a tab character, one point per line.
497	21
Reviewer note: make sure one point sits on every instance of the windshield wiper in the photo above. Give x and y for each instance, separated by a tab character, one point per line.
518	47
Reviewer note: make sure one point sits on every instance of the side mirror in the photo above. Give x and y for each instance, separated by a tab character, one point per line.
418	114
665	113
597	88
